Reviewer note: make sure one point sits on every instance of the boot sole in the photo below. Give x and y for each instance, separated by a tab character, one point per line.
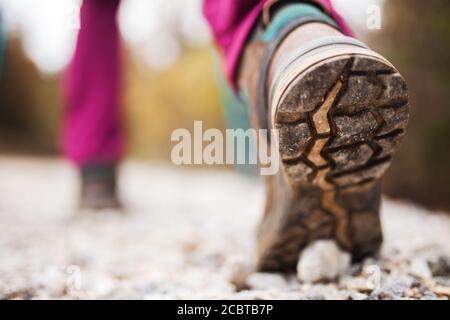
339	122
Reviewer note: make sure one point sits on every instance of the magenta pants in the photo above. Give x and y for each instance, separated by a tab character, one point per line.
92	130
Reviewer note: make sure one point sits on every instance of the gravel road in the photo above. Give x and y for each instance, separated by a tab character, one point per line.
185	234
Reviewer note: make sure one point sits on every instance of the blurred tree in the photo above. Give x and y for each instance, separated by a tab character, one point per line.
29	110
2	43
416	37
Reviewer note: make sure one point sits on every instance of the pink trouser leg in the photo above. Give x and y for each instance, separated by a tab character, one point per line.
231	21
92	130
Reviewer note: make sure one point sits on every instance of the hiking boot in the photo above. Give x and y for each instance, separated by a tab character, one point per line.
99	187
341	110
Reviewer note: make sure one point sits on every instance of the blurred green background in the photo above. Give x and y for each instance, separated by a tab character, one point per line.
415	36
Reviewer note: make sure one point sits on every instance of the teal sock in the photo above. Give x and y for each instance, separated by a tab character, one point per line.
290	12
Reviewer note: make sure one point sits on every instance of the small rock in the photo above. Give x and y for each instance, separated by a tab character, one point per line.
425	290
414	293
322	260
395	288
266	281
357	296
359	284
239	275
440	267
441	291
377	295
419	268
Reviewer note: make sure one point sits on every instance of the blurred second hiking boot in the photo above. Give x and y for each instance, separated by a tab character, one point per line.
341	110
99	187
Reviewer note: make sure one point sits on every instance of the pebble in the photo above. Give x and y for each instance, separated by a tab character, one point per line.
266	281
419	268
440	267
322	260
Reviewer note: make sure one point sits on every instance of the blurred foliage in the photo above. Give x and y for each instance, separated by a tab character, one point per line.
416	38
154	102
29	104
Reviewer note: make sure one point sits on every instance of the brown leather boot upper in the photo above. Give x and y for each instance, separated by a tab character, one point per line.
250	73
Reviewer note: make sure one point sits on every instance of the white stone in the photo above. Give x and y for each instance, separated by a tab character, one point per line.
419	268
266	281
322	260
